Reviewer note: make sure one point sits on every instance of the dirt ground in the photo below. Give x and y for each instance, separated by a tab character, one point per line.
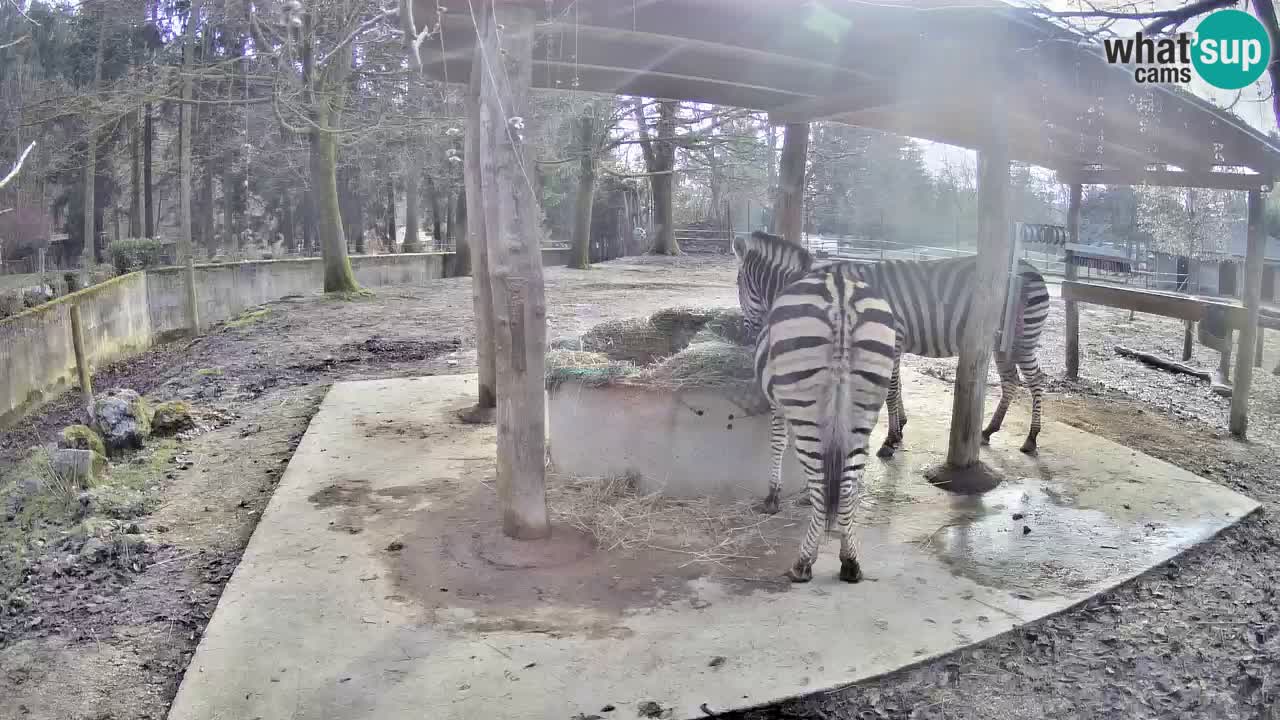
1199	637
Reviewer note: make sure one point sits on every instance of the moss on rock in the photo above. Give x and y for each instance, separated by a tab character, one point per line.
82	437
171	418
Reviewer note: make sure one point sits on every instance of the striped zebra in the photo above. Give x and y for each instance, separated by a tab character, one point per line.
824	358
931	300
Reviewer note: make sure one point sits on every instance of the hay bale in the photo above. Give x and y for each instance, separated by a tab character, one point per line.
588	368
632	340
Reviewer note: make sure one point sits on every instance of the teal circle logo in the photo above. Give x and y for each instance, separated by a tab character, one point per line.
1232	49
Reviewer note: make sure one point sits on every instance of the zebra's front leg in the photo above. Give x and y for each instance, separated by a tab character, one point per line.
897	415
777	448
1008	389
850	489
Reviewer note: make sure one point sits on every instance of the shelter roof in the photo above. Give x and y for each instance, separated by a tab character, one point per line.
930	69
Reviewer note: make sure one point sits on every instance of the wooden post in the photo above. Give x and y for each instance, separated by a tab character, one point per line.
1257	353
82	361
481	290
515	270
1069	272
186	249
1186	340
789	205
990	281
1252	301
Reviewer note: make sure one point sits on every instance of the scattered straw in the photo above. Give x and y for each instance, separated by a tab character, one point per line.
619	517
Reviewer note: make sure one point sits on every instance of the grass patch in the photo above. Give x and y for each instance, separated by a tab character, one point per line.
209	372
39	509
249	318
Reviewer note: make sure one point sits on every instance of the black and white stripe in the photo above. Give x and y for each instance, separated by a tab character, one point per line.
824	358
932	300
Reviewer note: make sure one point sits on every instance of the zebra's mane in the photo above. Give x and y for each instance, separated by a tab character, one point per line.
774	251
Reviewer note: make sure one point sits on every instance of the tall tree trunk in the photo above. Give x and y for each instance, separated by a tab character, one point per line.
286	221
186	251
308	221
338	276
411	243
580	258
515	262
478	244
771	167
433	197
449	228
87	252
228	211
391	215
135	166
659	159
788	209
208	237
148	204
461	246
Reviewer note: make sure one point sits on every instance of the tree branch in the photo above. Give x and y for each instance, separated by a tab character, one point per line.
18	165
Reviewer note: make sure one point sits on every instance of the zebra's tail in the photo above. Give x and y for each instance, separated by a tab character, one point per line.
832	472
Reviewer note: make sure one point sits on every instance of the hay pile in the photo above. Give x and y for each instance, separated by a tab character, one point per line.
674	348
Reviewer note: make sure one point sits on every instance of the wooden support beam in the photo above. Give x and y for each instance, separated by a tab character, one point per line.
1187	340
789	205
1167	178
82	358
1239	422
515	270
977	339
1072	310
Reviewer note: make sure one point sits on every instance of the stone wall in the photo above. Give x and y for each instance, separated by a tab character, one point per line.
128	314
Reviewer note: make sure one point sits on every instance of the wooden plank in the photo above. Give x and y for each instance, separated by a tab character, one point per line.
82	358
1145	301
1072	310
515	267
1167	178
992	276
1239	422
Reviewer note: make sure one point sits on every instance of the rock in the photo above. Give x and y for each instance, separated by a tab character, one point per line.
172	418
84	468
94	551
82	437
116	502
123	418
565	342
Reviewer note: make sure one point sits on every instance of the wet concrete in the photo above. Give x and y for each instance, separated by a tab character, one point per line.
416	607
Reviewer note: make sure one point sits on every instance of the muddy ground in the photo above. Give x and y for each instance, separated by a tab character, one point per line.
1199	637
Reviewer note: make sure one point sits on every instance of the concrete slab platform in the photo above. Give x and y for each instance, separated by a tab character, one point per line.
376	585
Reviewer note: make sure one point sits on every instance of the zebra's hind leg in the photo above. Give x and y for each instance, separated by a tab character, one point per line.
1008	370
802	571
777	448
1035	379
897	416
850	489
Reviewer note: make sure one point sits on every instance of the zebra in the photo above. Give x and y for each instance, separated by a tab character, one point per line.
824	357
931	300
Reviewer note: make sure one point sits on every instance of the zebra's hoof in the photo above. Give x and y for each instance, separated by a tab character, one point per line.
986	436
801	573
850	571
885	452
769	506
1029	447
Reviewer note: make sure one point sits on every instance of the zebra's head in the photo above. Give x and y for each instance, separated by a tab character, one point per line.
766	264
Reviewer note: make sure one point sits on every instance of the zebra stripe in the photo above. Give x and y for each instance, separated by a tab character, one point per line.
932	301
824	358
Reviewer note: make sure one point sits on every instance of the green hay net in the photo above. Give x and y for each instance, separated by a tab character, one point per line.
675	348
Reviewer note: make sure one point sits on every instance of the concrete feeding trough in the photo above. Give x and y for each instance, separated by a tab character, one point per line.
670	400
